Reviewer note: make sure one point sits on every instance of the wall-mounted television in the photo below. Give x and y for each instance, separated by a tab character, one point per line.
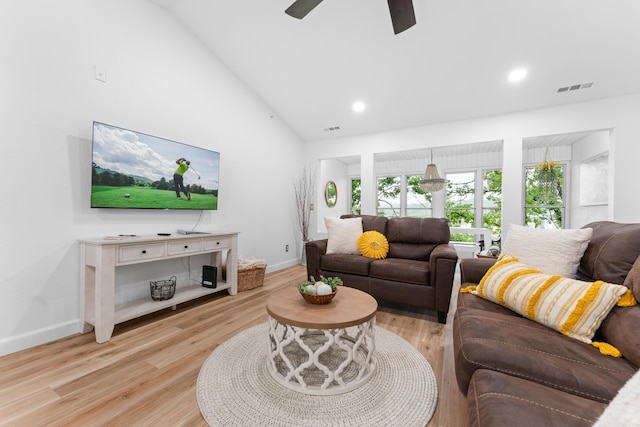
133	170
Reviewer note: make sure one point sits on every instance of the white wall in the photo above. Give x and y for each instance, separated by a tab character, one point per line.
159	80
618	114
594	145
332	170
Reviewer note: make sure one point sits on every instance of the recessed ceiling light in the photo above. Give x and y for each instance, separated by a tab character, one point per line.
517	75
359	106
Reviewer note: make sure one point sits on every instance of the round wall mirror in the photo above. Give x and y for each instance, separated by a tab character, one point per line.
331	194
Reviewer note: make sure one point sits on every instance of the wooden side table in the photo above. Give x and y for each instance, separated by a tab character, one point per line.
321	349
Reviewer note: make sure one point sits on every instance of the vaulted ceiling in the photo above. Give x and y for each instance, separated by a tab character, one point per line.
452	65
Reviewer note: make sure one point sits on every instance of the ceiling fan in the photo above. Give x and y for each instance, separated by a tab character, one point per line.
402	14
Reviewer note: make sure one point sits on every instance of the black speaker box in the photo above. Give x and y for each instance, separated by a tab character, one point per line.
209	276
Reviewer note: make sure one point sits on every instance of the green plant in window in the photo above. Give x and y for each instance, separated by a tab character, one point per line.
541	203
548	175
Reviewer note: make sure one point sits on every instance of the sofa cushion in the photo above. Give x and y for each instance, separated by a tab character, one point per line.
620	329
573	307
613	250
517	346
418	230
400	270
343	235
497	400
346	263
632	281
373	244
471	301
415	238
371	222
550	251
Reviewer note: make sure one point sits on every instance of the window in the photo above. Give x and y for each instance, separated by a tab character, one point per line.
389	196
544	199
460	203
418	202
401	195
492	203
356	196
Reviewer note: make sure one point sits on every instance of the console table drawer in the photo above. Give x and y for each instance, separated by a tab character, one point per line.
224	242
185	247
130	253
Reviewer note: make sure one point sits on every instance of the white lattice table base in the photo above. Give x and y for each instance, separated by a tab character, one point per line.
321	361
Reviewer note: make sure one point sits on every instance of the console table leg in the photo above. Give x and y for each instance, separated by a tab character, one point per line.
104	294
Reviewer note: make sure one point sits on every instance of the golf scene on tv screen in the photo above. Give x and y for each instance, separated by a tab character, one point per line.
138	171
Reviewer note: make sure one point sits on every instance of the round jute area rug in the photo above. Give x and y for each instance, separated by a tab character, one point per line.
235	388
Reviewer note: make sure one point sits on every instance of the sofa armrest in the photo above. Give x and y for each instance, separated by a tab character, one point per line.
443	251
442	263
314	251
473	269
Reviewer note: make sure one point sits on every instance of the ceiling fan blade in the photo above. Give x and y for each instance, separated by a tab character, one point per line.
300	8
402	15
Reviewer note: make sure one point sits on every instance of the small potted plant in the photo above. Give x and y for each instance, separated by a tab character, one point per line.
319	291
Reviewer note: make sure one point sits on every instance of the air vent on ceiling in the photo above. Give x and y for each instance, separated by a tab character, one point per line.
572	88
332	128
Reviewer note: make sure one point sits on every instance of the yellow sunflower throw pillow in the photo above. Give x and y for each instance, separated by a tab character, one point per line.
373	244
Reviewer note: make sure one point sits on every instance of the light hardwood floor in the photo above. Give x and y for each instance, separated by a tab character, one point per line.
146	375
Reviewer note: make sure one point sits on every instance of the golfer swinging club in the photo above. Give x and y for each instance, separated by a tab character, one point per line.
178	177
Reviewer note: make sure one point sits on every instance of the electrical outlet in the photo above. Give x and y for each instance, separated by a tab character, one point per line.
286	248
99	73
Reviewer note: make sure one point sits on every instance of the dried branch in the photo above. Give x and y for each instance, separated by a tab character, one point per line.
304	186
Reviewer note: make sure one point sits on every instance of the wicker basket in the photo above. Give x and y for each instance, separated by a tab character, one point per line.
248	278
162	290
318	299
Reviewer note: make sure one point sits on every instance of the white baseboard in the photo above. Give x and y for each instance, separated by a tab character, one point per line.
281	265
51	333
40	336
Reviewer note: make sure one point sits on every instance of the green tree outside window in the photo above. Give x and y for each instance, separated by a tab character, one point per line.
389	196
492	203
356	196
460	203
418	201
544	205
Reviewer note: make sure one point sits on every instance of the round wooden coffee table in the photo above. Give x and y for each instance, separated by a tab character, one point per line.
321	349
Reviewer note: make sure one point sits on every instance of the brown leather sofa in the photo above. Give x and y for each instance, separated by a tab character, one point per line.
418	270
517	372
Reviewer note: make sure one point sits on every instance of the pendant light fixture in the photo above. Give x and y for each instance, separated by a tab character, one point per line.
432	182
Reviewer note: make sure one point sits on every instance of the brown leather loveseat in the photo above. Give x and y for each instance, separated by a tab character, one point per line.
515	371
418	270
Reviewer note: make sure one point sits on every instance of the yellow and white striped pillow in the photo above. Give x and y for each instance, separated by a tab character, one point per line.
572	307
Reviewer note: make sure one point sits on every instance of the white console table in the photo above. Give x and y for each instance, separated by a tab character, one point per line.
100	257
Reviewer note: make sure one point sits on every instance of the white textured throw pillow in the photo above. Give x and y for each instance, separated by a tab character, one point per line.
623	409
343	235
555	252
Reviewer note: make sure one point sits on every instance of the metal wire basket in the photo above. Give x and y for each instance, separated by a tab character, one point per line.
162	290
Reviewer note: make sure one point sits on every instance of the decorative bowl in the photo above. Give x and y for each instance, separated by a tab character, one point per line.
318	299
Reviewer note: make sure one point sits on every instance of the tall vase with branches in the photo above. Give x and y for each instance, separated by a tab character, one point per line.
304	186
